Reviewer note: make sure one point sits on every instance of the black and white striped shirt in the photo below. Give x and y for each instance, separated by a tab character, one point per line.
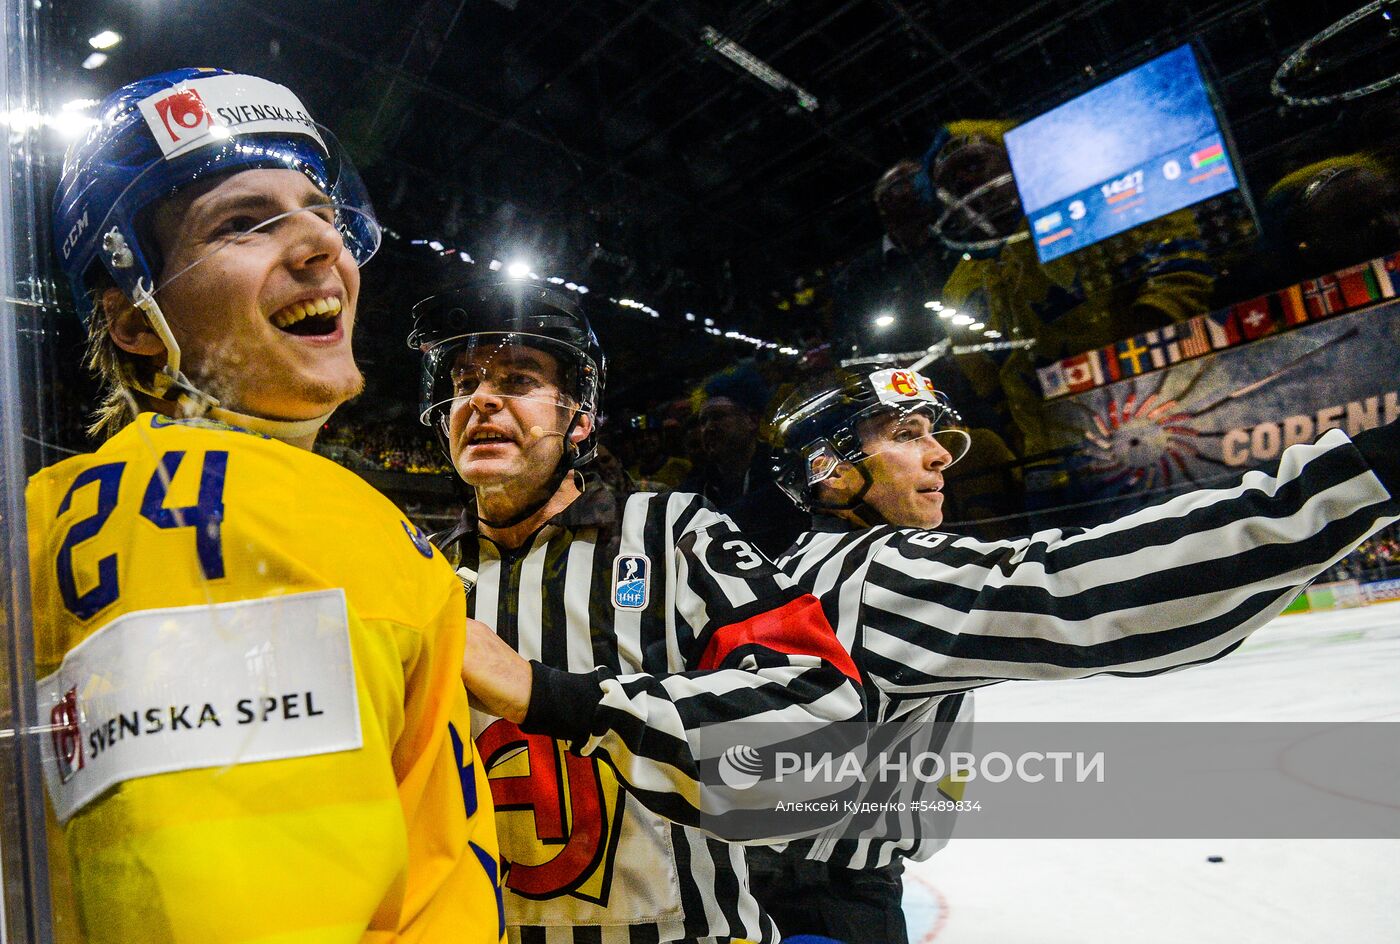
930	616
672	623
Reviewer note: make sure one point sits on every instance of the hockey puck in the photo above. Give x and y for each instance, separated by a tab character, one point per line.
1215	858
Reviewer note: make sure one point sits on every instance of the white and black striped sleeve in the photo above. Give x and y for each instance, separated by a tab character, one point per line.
749	647
1172	585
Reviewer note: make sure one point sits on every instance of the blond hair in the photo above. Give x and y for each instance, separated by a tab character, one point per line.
121	373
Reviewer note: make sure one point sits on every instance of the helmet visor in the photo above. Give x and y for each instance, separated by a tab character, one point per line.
261	210
467	370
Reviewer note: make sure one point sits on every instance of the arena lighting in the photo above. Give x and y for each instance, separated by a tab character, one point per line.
755	67
993	334
95	61
962	320
518	269
709	322
571	286
465	257
884	321
105	39
554	280
67	124
690	316
495	265
934	305
947	313
582	289
977	326
435	246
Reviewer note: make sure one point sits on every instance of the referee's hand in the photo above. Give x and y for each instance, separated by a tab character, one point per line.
497	677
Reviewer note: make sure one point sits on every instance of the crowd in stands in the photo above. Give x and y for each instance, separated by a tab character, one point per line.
391	447
1378	558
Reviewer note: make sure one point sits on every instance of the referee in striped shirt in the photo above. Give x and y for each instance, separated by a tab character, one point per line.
929	616
617	629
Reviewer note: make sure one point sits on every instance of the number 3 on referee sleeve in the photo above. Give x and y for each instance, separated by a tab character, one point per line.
205	517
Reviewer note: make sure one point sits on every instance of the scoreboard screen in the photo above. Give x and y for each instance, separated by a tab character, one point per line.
1134	149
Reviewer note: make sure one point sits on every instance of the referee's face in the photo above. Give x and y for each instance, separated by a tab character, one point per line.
507	421
906	469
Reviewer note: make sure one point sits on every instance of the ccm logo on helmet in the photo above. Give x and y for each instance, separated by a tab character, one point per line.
183	110
74	234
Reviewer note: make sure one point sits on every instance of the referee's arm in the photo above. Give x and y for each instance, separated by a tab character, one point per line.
1172	585
758	651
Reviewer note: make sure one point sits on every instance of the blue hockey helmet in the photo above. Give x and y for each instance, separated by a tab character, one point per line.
161	133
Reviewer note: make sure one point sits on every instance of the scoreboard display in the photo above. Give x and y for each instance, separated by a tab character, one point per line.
1136	148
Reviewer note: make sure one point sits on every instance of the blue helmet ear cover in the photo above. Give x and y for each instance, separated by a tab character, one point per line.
115	175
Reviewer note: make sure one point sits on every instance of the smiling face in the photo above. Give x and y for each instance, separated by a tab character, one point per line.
506	425
906	469
263	314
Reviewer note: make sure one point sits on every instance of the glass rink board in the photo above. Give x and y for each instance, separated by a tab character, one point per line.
1146	144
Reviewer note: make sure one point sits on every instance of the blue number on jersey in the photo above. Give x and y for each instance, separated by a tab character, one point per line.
109	479
206	518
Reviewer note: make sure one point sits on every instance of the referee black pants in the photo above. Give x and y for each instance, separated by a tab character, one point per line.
856	906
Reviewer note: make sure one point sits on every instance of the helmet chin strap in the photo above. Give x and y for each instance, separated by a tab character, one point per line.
868	514
171	384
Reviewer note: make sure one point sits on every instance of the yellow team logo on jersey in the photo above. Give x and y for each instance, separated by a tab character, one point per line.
558	815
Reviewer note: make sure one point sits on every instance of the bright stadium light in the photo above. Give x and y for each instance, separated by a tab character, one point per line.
884	320
95	61
105	39
519	269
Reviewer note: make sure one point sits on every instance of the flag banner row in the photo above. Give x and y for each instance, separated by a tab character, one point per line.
1204	420
1311	300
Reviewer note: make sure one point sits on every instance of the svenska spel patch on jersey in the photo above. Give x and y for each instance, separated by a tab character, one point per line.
159	691
631	581
201	112
897	385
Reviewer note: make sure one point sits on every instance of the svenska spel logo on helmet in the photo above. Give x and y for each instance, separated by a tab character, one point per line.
183	110
188	116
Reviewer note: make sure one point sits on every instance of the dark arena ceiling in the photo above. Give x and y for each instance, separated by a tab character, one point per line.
613	144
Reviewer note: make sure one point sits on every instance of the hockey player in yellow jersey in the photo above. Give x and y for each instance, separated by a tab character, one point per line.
249	659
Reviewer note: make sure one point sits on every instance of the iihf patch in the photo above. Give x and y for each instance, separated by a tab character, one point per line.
631	581
419	539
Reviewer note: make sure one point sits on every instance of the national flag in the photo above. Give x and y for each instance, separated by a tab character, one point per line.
1111	369
1132	355
1323	296
1359	285
1194	339
1083	372
1052	380
1255	317
1295	309
1381	269
1163	345
1207	156
1224	328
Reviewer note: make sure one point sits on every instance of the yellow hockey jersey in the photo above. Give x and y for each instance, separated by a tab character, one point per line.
250	661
